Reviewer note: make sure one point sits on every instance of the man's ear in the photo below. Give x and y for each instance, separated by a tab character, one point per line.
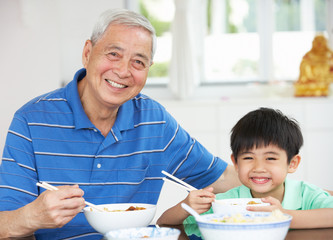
234	161
294	163
86	53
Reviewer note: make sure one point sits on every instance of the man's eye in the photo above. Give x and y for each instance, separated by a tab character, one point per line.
139	64
113	54
247	158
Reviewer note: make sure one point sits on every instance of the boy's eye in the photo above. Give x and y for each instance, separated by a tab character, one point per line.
271	158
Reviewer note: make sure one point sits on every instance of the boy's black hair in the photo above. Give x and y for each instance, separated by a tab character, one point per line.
266	126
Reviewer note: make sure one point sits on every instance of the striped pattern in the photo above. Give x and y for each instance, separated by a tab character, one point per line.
51	139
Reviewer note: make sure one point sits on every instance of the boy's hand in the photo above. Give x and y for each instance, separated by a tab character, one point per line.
200	200
275	204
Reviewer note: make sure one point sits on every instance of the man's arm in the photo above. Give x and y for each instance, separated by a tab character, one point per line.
229	179
14	224
52	209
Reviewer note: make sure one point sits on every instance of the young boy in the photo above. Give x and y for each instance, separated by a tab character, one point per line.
265	148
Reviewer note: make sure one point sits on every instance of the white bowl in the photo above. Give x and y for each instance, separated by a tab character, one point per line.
273	230
144	232
236	205
104	222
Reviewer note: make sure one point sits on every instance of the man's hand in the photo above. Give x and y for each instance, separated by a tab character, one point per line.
52	209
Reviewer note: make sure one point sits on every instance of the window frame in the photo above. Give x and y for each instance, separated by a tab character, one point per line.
259	87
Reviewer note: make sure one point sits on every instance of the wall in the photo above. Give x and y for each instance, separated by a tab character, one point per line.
41	44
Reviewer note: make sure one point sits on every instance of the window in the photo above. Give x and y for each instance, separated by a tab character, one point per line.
243	41
160	13
251	40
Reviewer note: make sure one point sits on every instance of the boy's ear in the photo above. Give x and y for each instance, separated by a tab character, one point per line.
294	163
234	161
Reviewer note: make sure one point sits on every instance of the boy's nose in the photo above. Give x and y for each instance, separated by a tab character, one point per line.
259	166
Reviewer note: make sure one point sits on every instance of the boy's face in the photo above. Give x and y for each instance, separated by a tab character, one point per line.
264	170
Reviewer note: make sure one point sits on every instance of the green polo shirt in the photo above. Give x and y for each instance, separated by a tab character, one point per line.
298	195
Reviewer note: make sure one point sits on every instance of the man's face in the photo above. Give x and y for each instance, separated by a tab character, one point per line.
117	65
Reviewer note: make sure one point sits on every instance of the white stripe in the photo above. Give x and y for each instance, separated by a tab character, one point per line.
186	157
64	154
149	123
114	135
102	183
20	135
141	97
8	159
54	99
50	125
18	189
27	167
210	165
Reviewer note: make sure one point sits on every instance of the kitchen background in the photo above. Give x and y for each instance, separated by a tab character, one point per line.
41	43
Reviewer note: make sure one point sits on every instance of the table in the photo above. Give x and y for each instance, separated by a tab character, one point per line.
313	234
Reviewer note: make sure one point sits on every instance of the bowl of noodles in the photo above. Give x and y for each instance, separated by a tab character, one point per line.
120	215
250	226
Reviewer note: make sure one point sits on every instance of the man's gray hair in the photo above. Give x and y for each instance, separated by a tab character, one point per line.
122	17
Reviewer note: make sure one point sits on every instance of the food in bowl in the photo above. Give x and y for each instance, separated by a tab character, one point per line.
116	216
131	208
235	205
152	233
250	226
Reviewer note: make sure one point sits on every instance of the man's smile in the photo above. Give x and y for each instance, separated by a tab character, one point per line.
114	84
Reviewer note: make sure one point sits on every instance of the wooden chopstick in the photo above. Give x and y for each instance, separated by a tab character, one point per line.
175	183
181	183
47	186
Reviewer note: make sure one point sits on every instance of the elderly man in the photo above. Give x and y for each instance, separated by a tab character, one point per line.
98	139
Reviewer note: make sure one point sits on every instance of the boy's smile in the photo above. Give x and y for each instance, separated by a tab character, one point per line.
264	170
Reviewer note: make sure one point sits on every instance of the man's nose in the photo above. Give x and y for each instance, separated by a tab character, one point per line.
122	69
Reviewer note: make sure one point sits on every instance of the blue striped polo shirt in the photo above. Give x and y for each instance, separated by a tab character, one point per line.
51	139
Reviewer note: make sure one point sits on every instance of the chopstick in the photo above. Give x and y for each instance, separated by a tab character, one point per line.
175	183
47	186
181	183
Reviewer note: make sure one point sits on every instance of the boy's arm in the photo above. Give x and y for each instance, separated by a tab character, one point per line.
314	218
173	216
199	200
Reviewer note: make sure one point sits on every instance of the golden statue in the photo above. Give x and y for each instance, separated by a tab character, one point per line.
316	70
